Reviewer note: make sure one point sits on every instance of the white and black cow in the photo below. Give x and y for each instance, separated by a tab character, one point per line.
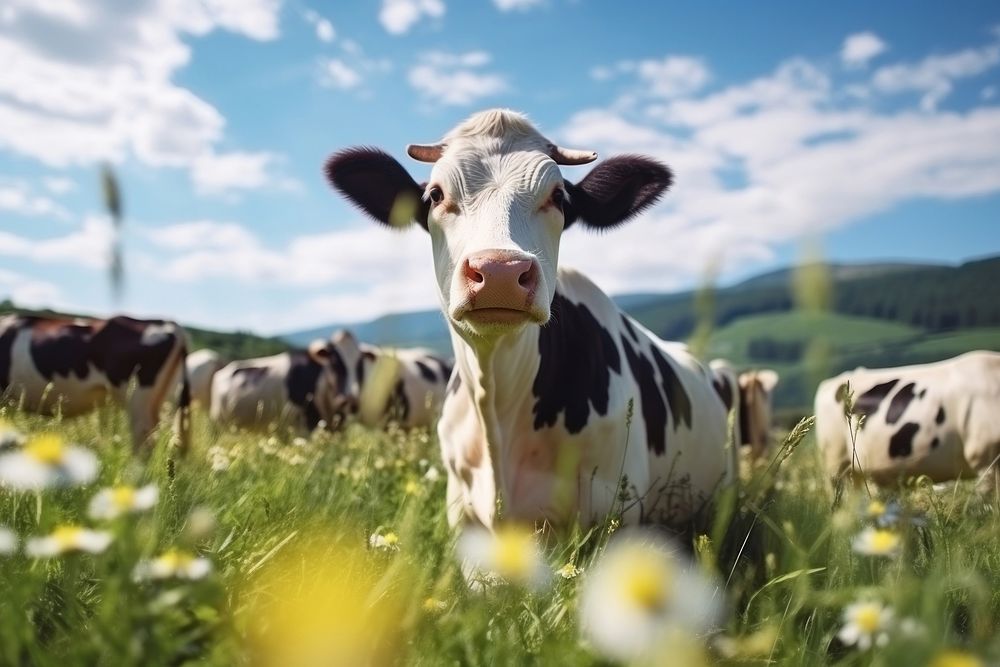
55	365
405	385
299	388
941	420
202	365
536	415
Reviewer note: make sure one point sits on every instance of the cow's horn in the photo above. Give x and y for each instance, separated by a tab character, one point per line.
570	156
425	152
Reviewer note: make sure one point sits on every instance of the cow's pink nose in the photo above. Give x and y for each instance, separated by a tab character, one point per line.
500	279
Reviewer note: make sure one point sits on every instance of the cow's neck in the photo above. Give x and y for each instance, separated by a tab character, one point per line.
499	377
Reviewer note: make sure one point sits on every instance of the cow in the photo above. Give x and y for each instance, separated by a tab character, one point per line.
558	399
299	388
749	396
202	365
756	409
941	420
69	366
404	385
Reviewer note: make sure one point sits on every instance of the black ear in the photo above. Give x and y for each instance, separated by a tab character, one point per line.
616	190
374	182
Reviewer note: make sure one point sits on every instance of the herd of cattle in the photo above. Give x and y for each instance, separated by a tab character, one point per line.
548	374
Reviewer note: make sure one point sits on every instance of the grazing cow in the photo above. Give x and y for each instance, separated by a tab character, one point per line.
300	388
406	385
941	420
755	412
537	415
55	365
202	365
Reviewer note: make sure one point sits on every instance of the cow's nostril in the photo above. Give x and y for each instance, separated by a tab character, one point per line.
473	275
524	279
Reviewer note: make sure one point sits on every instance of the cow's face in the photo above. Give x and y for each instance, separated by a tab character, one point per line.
495	206
339	388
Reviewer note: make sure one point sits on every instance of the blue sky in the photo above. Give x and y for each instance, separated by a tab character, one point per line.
873	128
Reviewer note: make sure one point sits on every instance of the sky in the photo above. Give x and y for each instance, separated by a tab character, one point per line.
868	130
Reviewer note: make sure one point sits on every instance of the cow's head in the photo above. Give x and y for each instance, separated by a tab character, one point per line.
339	390
495	206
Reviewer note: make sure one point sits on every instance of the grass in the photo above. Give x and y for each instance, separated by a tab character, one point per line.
288	511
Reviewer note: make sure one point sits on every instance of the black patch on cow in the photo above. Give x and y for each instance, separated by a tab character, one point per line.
868	403
901	442
576	357
899	403
60	348
444	366
367	356
615	190
301	384
7	337
339	368
743	434
629	328
935	442
939	417
426	371
923	392
677	397
654	411
399	404
724	391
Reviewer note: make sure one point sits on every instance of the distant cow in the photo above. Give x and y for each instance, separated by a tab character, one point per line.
55	365
941	420
406	385
300	388
536	419
202	365
750	395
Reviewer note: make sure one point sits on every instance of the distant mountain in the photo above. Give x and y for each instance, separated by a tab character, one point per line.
930	297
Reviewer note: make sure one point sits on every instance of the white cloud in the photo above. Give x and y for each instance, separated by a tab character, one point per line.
455	79
59	185
86	82
324	29
934	76
337	74
769	161
225	172
674	76
860	48
398	16
26	291
87	246
16	196
517	5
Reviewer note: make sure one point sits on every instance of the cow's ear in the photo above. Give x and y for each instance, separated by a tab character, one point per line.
377	184
768	379
319	352
616	190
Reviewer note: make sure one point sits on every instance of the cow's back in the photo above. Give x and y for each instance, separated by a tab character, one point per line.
252	392
941	419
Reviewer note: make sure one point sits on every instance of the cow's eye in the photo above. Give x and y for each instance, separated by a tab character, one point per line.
558	198
436	194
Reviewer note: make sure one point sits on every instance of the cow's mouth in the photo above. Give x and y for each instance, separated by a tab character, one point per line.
497	316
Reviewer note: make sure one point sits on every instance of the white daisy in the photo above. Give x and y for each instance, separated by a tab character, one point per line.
68	538
8	541
46	461
510	552
866	624
386	542
641	592
432	475
174	564
877	542
111	503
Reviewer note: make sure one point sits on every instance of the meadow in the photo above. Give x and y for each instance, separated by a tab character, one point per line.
338	543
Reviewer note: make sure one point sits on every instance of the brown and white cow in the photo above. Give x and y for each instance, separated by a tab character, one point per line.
941	420
750	396
537	415
54	365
